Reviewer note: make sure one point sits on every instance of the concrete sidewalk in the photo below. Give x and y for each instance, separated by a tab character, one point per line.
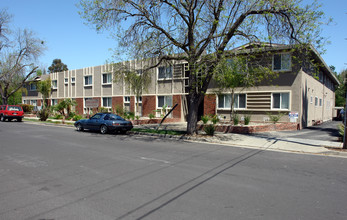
259	141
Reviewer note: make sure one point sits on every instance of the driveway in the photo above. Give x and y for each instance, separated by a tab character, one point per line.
324	133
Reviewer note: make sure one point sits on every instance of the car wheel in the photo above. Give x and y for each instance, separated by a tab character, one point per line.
2	118
19	119
79	127
103	129
123	132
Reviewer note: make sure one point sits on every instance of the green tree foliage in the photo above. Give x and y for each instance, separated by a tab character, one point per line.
57	66
200	32
64	104
137	81
18	52
233	73
44	87
340	92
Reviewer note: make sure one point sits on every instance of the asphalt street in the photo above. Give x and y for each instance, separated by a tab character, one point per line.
54	173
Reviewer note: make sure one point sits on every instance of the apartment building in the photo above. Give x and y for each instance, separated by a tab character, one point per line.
298	92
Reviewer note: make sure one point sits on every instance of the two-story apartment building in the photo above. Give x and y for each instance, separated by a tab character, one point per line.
304	93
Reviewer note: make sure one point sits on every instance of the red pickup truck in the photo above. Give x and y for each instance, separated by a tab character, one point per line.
10	112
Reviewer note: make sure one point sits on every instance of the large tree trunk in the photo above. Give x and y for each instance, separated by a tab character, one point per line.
193	108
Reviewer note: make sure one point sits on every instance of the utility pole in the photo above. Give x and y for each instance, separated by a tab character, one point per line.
344	118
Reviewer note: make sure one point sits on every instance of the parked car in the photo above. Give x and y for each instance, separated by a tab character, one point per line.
104	122
9	112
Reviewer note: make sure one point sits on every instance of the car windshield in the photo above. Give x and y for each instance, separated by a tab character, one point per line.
14	108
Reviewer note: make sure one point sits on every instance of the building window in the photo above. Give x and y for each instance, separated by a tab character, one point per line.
165	72
224	101
140	99
316	101
54	84
311	100
54	102
107	102
281	62
88	80
84	106
32	87
280	101
106	78
320	102
164	101
66	80
33	102
73	79
126	99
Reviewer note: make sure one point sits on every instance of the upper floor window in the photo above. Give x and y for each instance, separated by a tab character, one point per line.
165	72
224	101
280	101
73	79
54	84
281	62
32	87
316	101
164	101
88	80
107	78
66	80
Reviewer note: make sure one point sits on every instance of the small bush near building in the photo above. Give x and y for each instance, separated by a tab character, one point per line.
205	119
209	129
247	119
214	119
151	116
236	119
275	118
77	117
27	108
43	114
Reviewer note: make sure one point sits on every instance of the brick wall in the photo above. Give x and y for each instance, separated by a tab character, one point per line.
176	113
210	104
79	106
148	105
117	102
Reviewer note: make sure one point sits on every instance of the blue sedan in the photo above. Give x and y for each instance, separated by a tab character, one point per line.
104	122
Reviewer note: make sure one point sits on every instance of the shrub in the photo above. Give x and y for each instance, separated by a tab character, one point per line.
77	117
236	119
209	129
247	119
214	119
275	118
151	116
103	110
205	119
27	108
131	115
57	116
43	114
119	110
137	117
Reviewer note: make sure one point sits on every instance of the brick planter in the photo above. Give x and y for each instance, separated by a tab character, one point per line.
247	129
154	121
